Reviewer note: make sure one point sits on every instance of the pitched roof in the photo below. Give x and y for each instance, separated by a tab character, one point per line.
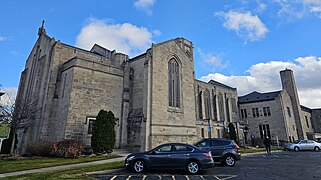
220	84
258	97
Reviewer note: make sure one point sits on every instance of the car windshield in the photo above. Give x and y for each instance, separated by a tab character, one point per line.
296	141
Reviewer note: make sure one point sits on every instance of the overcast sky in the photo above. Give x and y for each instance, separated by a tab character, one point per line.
242	43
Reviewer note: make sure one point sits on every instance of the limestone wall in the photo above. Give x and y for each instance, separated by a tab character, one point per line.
306	118
92	87
290	124
276	121
223	107
172	124
316	119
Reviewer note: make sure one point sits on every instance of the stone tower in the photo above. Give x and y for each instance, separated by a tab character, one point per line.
288	84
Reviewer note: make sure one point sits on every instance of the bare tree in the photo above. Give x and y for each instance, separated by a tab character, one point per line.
20	113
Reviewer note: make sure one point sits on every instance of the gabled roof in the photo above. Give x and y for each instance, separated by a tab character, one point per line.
220	84
306	109
258	97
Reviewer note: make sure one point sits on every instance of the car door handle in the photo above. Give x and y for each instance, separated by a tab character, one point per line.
186	154
168	155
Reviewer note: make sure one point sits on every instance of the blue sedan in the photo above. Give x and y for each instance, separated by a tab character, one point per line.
171	156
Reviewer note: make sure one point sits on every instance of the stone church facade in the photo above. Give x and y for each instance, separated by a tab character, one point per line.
154	96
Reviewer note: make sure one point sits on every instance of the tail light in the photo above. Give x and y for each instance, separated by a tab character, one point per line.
209	155
236	147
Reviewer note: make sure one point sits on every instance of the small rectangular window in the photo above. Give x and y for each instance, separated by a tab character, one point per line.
289	112
306	120
264	130
91	122
254	112
268	111
243	113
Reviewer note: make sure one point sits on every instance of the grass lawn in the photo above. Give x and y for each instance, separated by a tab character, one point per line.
244	151
26	164
70	173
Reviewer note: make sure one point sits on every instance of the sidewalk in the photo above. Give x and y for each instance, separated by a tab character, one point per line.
64	166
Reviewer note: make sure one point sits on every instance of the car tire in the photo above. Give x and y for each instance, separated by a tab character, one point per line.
139	166
296	148
229	160
193	167
316	148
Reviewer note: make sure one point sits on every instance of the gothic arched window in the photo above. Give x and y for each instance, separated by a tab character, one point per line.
207	102
173	84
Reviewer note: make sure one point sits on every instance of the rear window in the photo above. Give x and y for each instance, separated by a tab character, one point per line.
203	144
221	142
182	148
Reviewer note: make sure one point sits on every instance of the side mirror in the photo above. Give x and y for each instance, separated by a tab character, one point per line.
153	152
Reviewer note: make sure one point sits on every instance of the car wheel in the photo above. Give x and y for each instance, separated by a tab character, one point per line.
229	160
316	148
296	148
193	167
139	166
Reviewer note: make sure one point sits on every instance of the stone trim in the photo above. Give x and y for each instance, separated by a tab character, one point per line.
190	135
173	125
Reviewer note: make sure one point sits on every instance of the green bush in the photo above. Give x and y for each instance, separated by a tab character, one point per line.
103	135
67	148
40	148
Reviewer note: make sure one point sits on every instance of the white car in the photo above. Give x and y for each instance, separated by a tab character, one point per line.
301	145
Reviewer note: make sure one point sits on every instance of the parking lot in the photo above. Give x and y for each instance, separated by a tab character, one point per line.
279	165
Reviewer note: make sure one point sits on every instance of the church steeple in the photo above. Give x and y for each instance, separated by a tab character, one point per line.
42	28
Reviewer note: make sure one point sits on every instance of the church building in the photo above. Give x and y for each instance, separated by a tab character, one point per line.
154	96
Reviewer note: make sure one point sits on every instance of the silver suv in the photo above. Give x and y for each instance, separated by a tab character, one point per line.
223	150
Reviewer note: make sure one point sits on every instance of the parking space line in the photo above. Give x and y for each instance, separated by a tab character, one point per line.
202	177
114	177
173	177
160	177
187	177
129	177
217	178
144	177
232	176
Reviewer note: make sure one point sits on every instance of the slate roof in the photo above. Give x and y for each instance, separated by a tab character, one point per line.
258	97
220	84
306	109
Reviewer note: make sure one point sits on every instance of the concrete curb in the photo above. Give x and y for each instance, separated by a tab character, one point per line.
263	152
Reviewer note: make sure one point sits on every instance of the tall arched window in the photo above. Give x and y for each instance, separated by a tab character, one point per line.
173	84
207	102
214	106
200	109
221	107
